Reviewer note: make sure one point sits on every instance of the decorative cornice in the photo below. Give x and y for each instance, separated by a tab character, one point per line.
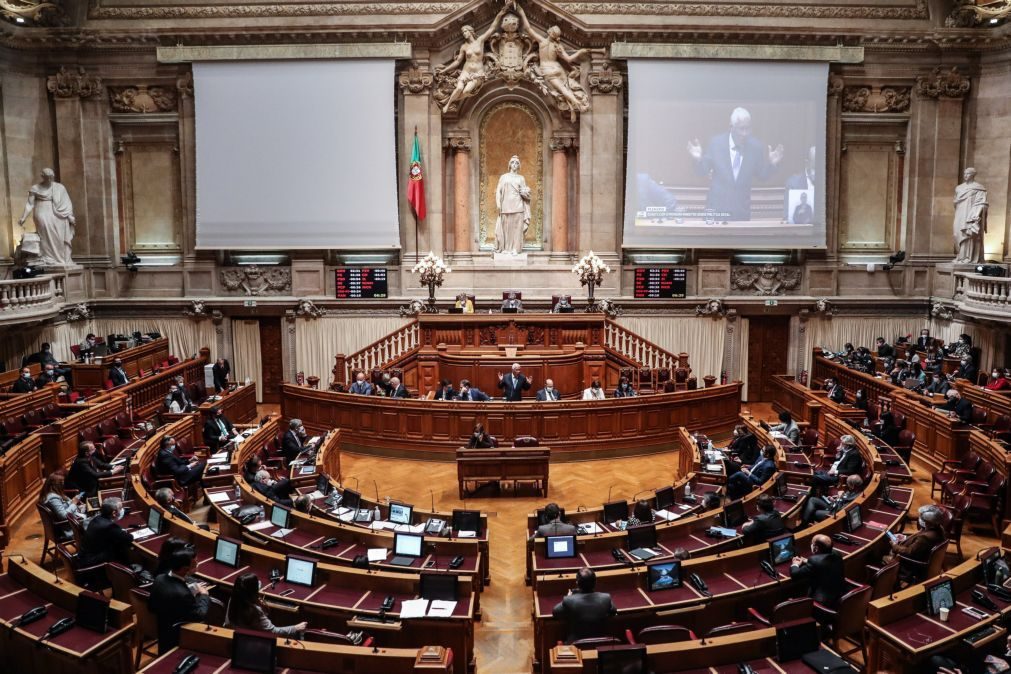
415	80
606	80
836	84
967	14
943	83
141	98
67	84
276	10
307	309
713	308
791	11
560	143
184	85
32	12
876	99
459	143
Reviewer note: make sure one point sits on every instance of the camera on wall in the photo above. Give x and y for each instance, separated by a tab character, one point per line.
131	259
995	270
28	271
894	259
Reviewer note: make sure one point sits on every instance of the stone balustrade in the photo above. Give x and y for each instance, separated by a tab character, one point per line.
32	298
980	295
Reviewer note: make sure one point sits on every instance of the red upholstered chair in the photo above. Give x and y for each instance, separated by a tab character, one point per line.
54	532
661	634
982	500
75	350
662	376
122	579
593	643
912	571
883	580
506	293
525	441
145	633
730	628
847	620
905	447
322	636
785	611
983	472
644	379
693	383
89	434
681	379
950	470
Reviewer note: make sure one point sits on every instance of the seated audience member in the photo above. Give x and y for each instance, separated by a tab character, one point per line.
221	371
25	383
585	611
48	376
822	571
966	370
46	357
303	503
250	468
63	508
169	463
860	399
397	390
642	513
246	610
512	302
166	498
918	546
218	430
961	348
787	426
884	349
468	392
464	303
889	432
848	460
711	501
445	391
293	442
383	387
767	524
562	306
998	380
836	393
117	375
278	491
184	395
820	506
172	401
924	341
549	393
624	389
87	347
360	386
87	469
957	406
174	601
169	548
938	384
744	445
594	392
479	439
741	483
103	539
553	524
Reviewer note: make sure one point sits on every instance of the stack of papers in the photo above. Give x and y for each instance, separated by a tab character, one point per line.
281	533
412	528
219	496
220	457
666	515
230	508
379	525
441	609
714	468
590	528
316	494
413	608
466	534
265	524
377	554
119	462
142	533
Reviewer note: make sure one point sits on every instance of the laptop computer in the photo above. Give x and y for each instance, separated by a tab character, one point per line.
406	548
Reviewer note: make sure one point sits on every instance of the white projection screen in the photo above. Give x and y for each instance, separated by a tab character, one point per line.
295	154
697	180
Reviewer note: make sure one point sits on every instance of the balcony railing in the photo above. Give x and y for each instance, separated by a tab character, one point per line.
30	298
983	295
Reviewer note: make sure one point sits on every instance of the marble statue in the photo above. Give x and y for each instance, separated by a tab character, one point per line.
970	219
512	197
555	76
471	61
53	213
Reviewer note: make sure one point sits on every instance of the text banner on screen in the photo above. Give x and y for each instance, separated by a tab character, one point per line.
359	283
660	283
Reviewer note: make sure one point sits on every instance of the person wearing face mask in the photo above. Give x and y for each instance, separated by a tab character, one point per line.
958	406
46	357
918	546
445	391
172	404
924	340
468	392
744	445
860	399
49	376
624	389
938	384
998	380
848	461
594	392
293	442
821	507
884	348
25	383
246	610
278	491
549	393
117	375
167	463
104	540
184	396
823	572
836	393
961	348
966	370
88	469
217	430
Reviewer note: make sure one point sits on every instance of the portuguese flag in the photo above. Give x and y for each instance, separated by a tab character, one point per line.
416	182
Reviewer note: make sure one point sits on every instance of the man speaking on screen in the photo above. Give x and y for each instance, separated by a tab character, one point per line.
733	161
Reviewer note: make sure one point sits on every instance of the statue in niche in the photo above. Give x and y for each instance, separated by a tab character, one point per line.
550	74
53	213
970	219
513	201
470	60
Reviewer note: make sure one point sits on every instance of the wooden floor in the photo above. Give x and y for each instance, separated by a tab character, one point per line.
504	637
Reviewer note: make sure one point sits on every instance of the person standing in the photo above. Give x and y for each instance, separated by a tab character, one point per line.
514	383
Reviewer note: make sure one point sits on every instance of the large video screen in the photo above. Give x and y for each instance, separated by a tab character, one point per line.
725	154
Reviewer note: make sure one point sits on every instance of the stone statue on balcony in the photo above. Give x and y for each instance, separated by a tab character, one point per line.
513	200
53	213
970	219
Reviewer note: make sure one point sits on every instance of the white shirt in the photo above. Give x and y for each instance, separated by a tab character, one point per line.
733	154
551	394
593	393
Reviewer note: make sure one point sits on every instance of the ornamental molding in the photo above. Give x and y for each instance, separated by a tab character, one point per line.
255	280
185	85
869	11
415	80
77	312
767	279
605	80
967	14
96	10
74	84
415	308
141	98
942	312
713	308
824	307
876	99
307	309
609	308
942	83
561	143
459	143
835	84
198	310
33	12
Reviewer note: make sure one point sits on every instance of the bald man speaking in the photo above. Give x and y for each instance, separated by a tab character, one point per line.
514	384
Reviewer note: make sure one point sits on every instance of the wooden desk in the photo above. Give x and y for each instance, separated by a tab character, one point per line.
938	437
20	481
142	358
507	464
60	439
239	407
147	394
19	403
996	403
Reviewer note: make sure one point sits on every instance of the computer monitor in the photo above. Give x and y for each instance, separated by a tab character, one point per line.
664	498
226	551
624	659
92	612
154	520
560	546
796	639
939	594
300	570
352	499
781	550
989	565
323	485
615	511
401	513
542	517
438	586
408	545
641	537
280	517
254	652
734	515
663	576
780	486
467	520
854	519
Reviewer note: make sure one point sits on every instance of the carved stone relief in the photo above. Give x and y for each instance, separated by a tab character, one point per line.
764	280
307	309
942	83
416	79
869	10
33	12
606	80
254	280
876	99
142	99
713	308
71	84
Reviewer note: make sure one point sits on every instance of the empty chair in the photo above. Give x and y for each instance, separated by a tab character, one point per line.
661	634
525	441
983	500
593	643
785	611
327	637
730	628
883	580
145	633
847	621
950	469
984	471
904	448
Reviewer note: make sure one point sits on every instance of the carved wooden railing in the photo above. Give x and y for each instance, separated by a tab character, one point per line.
29	297
393	346
642	351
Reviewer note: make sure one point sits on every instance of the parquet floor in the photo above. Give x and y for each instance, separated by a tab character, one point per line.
504	637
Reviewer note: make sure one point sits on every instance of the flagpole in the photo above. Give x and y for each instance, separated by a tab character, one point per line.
417	223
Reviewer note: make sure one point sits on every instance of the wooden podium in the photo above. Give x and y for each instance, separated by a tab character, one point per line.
510	464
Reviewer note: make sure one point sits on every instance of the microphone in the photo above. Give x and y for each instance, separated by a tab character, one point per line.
353	477
609	493
432	493
376	485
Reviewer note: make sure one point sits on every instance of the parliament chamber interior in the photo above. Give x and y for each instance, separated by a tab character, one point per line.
505	336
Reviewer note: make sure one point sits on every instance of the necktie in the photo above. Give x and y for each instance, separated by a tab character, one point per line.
737	161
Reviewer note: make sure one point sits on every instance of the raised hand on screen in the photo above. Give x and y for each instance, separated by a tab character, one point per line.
500	376
775	155
695	149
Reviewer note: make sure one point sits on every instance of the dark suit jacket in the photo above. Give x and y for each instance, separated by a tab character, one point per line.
291	446
45	379
851	463
824	573
514	393
942	386
970	372
556	528
746	448
23	385
542	394
364	388
399	392
172	602
212	432
762	471
448	393
117	377
167	463
86	471
221	376
764	526
104	541
923	342
962	409
586	614
725	193
624	393
475	395
886	350
837	394
919	545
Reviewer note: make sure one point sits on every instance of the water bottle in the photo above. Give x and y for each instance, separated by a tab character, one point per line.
238	493
376	515
688	490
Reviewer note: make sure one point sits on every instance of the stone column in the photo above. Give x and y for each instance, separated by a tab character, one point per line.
187	164
420	114
833	144
600	173
560	197
460	145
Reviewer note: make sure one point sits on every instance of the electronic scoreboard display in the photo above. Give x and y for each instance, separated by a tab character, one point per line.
660	283
361	283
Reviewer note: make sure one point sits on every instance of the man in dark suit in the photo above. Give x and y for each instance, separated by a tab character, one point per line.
173	601
820	507
734	161
360	386
168	463
744	445
924	340
166	498
938	384
117	375
445	391
585	611
958	406
468	392
836	393
885	349
967	370
293	442
823	571
48	376
398	390
88	469
217	429
220	372
767	524
848	461
553	524
741	483
103	539
278	491
514	384
25	383
46	357
803	214
549	393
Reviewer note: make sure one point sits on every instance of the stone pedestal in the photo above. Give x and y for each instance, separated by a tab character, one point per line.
509	260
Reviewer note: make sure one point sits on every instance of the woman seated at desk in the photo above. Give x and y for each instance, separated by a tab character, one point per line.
245	610
464	304
479	439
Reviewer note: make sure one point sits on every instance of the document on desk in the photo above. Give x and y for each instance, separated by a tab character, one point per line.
666	515
231	507
265	524
441	609
590	528
377	554
219	496
379	525
412	528
344	514
466	534
221	457
142	533
281	533
119	462
316	495
413	608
